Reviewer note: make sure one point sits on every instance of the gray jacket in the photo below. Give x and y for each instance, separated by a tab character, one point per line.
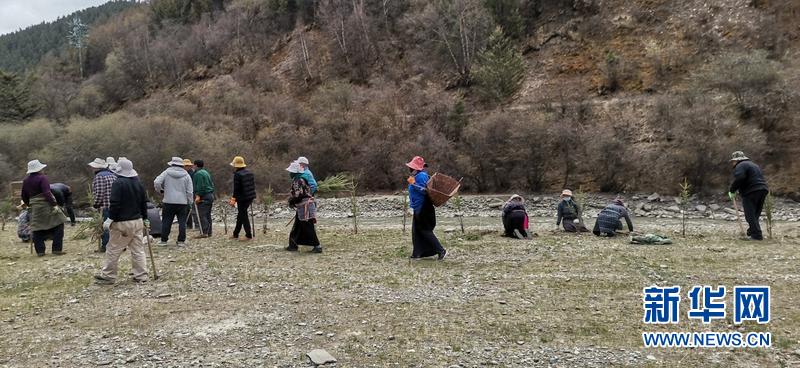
176	184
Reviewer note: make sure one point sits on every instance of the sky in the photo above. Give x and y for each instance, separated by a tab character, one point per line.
16	14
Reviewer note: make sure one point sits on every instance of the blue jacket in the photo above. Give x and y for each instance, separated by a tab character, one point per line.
310	179
417	191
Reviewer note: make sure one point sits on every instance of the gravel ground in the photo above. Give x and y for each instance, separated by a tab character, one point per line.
560	300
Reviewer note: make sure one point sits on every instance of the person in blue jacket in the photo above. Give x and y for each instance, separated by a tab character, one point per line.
424	221
307	174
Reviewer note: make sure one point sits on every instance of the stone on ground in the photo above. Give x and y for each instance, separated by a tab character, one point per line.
320	357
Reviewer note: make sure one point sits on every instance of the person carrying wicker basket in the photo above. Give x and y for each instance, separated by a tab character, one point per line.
424	221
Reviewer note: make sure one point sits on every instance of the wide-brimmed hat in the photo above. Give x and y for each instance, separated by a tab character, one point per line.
187	162
516	196
99	163
21	205
566	193
35	166
294	168
238	162
111	161
416	163
126	169
738	156
176	161
302	160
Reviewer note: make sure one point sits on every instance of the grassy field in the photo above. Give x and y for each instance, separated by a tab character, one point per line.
559	300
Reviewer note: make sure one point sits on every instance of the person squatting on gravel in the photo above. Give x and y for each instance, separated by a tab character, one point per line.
515	218
176	185
301	199
244	192
749	181
127	219
424	221
47	219
570	212
608	220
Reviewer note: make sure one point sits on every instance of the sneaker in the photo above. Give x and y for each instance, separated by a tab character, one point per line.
102	280
181	244
245	239
518	234
40	254
443	254
139	281
162	244
59	253
316	249
291	248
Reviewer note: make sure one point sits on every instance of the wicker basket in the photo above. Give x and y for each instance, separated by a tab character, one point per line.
441	188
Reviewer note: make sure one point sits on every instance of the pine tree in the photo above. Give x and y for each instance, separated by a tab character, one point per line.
78	32
15	100
501	70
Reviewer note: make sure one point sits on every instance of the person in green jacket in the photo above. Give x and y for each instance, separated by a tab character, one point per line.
203	197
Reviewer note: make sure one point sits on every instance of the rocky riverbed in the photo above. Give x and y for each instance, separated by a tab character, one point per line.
538	205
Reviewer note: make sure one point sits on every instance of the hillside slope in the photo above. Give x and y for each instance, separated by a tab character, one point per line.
615	95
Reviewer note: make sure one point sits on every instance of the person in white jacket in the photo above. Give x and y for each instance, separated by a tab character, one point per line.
176	186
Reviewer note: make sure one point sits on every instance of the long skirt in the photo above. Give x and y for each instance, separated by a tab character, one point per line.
516	220
303	233
425	242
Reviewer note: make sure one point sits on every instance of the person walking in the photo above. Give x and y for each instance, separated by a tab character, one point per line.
748	180
204	198
101	191
63	194
46	219
300	198
424	221
127	221
609	219
244	192
306	173
193	218
176	185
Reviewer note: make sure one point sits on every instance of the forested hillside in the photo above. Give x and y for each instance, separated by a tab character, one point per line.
534	95
23	49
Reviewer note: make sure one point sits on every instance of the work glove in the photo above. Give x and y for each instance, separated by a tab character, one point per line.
146	223
107	224
232	202
412	180
732	195
197	199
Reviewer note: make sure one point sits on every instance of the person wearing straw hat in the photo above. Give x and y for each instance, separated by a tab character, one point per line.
101	191
301	199
178	190
609	219
244	192
515	218
193	218
424	221
306	173
126	221
748	180
204	198
569	211
46	218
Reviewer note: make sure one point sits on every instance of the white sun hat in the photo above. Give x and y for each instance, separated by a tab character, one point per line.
99	163
35	166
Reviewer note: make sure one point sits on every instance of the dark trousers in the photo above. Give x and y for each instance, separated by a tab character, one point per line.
57	233
104	238
752	204
168	213
204	209
514	221
243	220
425	242
303	233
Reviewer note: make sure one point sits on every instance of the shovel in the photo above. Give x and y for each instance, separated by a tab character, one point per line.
146	234
738	220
